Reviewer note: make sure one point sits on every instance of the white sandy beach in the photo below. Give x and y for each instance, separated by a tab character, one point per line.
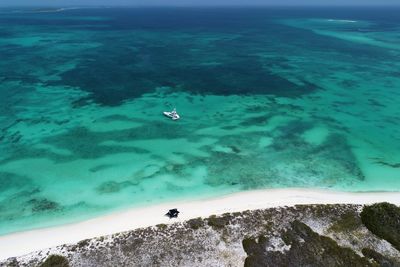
25	242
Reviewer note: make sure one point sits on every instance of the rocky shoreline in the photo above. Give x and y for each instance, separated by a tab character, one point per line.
312	235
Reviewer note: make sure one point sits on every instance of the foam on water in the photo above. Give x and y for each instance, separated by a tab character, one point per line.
362	32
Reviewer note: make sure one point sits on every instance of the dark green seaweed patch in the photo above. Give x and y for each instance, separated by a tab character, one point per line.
113	187
84	143
158	58
128	79
109	187
11	180
39	205
383	219
387	164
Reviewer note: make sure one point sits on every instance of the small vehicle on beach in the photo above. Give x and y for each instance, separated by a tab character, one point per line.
172	114
172	213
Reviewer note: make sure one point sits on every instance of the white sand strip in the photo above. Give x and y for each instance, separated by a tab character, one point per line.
25	242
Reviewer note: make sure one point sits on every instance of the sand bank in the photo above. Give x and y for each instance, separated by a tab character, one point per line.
21	243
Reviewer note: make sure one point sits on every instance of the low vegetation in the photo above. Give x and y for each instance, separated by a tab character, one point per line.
302	246
383	219
55	261
218	222
196	223
304	235
379	258
348	222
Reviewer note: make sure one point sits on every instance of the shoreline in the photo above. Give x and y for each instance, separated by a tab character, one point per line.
22	243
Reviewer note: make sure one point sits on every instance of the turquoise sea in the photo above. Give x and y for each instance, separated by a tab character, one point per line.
268	98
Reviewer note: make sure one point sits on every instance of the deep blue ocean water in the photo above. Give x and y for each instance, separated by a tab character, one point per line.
269	98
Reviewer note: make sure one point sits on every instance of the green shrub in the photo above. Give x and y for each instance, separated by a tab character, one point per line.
305	248
383	219
379	258
195	223
83	243
162	226
55	261
346	223
218	222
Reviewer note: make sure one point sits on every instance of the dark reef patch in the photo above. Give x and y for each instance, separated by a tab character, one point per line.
259	120
375	103
294	128
108	187
13	181
251	166
243	171
113	187
42	205
101	167
117	117
128	66
113	86
338	149
86	144
387	164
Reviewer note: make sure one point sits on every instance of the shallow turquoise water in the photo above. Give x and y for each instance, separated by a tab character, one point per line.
268	99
